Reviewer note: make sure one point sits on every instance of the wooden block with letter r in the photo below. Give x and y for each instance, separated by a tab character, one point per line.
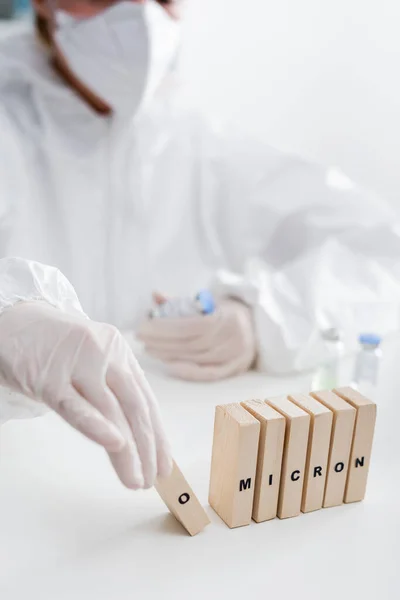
360	456
233	464
182	502
344	417
318	451
294	456
269	463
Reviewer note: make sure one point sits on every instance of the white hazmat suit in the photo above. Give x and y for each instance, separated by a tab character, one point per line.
109	209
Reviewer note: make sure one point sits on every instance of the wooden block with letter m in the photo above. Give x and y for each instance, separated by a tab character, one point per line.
233	464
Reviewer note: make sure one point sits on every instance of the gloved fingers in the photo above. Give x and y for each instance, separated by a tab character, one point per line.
198	343
164	454
128	466
76	411
209	336
184	328
89	379
217	351
233	334
126	460
194	372
134	405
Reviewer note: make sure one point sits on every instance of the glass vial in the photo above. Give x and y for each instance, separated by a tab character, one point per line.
366	370
327	374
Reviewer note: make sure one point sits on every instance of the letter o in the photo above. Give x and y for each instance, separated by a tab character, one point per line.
184	498
339	467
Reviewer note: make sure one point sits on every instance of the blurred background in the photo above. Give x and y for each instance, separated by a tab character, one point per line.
317	78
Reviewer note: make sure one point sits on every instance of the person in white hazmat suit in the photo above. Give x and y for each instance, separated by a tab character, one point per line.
112	187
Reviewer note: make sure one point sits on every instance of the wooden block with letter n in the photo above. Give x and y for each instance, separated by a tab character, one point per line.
182	502
294	456
362	443
269	463
342	436
318	451
233	464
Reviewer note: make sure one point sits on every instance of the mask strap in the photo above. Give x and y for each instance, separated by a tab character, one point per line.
52	5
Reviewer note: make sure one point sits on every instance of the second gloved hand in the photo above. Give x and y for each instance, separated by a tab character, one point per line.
204	347
86	372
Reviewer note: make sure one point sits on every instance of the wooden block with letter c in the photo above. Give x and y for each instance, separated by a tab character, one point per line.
294	456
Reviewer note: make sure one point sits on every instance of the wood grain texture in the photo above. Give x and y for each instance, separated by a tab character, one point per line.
360	456
341	440
269	462
294	456
182	502
318	451
233	464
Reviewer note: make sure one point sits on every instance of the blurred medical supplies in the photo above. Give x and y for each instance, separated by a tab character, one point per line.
202	304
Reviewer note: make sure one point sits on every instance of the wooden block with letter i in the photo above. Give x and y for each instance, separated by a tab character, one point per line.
294	456
318	451
269	463
362	443
233	464
342	436
182	502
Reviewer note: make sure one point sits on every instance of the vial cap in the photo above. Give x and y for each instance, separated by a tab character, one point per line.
372	339
207	302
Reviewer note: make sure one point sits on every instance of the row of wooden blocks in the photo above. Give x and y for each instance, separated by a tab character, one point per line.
290	454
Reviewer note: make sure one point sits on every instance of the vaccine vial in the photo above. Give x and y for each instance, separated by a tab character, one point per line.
327	375
367	365
202	304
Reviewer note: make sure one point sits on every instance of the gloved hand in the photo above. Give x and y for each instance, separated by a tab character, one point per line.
203	348
87	373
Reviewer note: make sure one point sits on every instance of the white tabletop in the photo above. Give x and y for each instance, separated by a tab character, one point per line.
69	530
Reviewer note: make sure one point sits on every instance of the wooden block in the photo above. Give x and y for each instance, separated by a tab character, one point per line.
269	462
342	436
360	455
182	502
294	456
319	442
233	465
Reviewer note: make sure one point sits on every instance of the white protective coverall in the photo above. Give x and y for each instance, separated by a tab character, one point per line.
115	209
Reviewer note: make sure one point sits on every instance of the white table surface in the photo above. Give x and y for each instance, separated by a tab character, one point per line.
69	530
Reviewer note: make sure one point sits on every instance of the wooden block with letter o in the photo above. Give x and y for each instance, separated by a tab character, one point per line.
269	463
182	502
318	451
362	443
341	440
233	464
294	456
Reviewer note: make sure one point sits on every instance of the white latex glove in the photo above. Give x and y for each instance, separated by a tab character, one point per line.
87	373
203	348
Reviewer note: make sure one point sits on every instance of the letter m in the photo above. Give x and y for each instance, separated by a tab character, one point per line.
245	485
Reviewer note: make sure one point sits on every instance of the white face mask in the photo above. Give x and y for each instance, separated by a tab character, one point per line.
122	54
